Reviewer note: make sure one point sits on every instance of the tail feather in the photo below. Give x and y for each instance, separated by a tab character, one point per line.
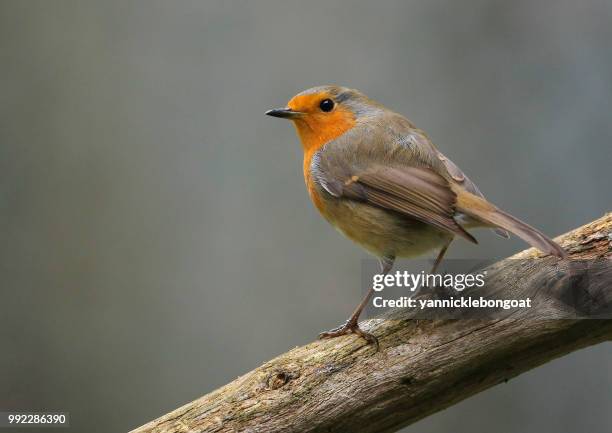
489	214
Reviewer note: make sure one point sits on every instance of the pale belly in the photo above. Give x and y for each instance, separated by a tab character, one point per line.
381	232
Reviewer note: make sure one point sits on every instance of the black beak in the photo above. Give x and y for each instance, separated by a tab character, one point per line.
284	113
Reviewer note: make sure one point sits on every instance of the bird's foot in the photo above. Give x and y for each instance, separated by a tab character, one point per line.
348	328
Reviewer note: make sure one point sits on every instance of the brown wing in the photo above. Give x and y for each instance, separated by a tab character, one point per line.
460	177
417	192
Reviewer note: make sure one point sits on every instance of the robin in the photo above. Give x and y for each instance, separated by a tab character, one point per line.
380	180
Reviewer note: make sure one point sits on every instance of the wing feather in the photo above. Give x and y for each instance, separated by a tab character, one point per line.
417	192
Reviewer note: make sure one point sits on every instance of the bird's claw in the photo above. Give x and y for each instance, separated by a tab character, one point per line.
348	328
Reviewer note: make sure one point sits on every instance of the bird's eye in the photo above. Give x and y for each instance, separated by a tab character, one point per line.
326	105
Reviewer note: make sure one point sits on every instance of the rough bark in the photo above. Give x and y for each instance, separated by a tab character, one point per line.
423	366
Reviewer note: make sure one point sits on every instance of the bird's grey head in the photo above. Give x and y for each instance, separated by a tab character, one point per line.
326	99
351	99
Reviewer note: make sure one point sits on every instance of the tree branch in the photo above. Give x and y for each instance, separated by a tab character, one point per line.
343	385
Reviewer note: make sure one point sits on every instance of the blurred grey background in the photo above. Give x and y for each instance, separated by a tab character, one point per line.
156	238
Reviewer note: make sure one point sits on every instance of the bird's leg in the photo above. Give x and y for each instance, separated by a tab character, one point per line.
437	263
352	324
440	256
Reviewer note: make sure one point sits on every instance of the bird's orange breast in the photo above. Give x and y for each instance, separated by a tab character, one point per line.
314	131
313	145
